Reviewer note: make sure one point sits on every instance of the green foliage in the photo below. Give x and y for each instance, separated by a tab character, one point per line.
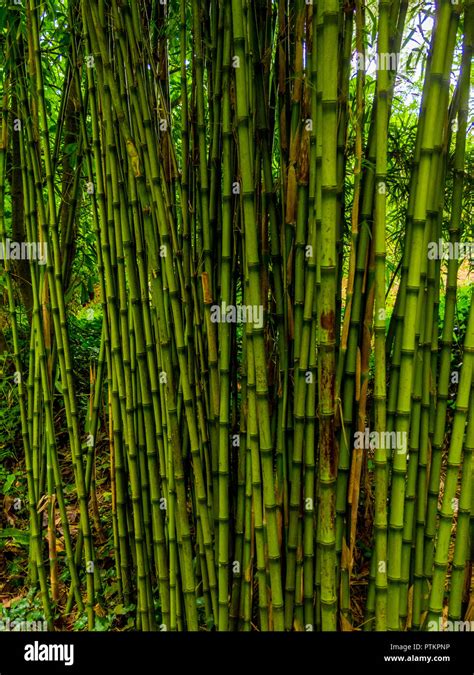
18	536
464	298
84	334
10	427
27	608
463	303
122	617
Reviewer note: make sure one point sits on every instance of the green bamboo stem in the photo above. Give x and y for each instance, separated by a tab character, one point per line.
253	263
327	324
448	504
460	561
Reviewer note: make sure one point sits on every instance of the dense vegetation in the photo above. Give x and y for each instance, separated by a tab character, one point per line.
237	365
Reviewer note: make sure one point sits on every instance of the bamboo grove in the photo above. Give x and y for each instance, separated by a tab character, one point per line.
227	155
